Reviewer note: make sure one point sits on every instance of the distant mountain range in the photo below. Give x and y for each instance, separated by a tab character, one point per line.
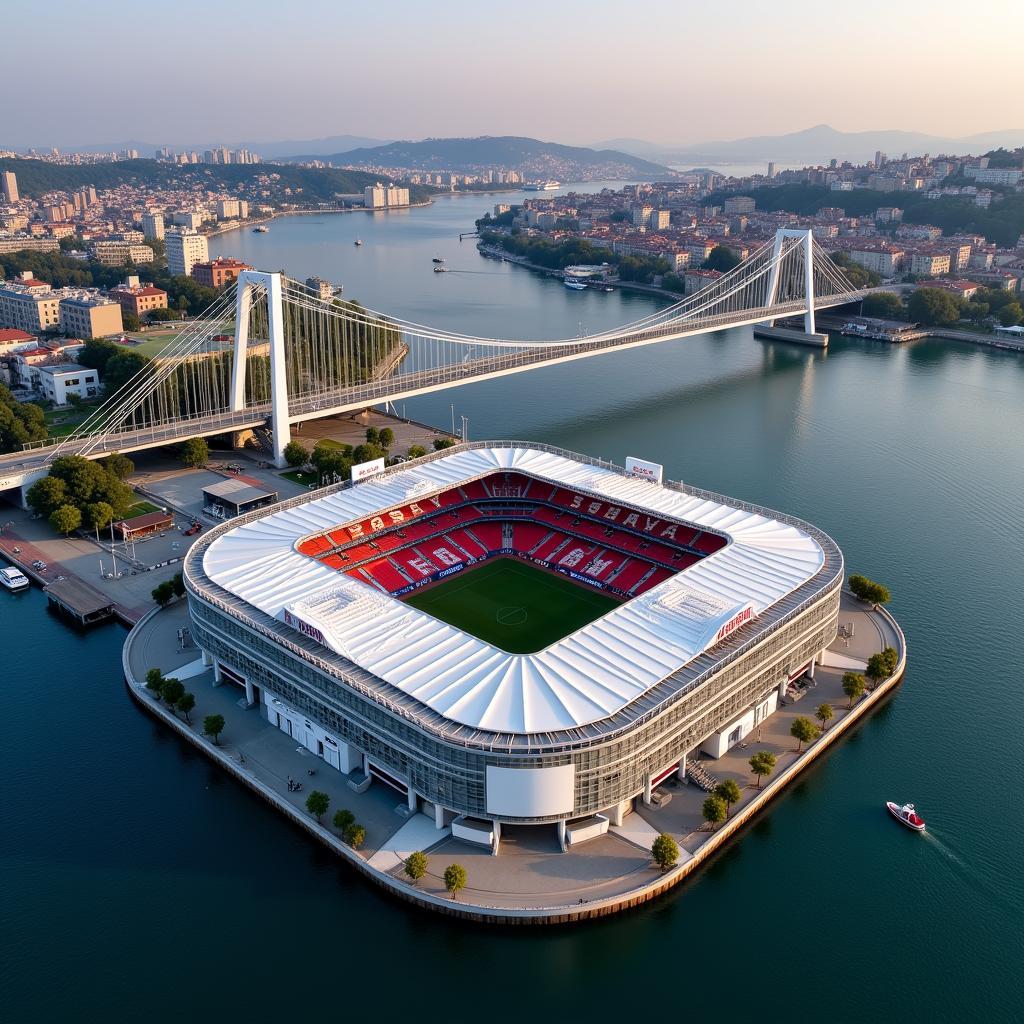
818	145
534	158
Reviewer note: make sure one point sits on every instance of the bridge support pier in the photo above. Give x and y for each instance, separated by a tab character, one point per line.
248	282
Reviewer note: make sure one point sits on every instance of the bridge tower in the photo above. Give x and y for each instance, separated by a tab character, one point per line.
807	236
280	425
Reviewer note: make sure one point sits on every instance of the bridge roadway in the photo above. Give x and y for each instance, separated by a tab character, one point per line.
19	468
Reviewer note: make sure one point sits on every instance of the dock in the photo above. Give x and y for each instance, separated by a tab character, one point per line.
81	602
790	334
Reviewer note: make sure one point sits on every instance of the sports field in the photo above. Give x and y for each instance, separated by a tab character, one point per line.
515	606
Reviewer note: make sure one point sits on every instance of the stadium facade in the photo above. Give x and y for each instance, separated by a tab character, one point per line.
721	606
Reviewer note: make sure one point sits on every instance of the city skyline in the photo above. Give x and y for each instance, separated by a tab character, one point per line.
460	73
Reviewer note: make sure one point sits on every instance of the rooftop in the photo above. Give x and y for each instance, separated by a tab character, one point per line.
582	678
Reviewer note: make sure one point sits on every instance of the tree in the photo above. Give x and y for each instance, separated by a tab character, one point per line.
1011	314
385	437
455	879
97	515
416	451
47	495
415	865
213	725
665	851
440	443
892	659
729	791
317	803
178	584
296	453
853	686
824	714
344	819
877	668
868	590
714	810
372	435
886	305
367	452
803	730
194	452
130	321
722	258
154	681
172	691
185	703
355	836
163	593
933	307
762	764
120	465
65	519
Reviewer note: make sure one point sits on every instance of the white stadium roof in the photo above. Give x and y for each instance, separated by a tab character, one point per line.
582	678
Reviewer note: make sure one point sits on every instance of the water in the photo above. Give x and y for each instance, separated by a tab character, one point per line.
138	879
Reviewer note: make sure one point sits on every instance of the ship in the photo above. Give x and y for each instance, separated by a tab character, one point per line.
438	259
440	270
542	186
576	286
358	241
260	229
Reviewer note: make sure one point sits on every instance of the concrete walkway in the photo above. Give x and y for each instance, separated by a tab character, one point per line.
530	873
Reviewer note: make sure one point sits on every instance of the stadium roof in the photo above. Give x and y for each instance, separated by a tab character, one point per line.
582	678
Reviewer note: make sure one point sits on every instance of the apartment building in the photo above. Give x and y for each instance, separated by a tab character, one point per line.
883	259
84	313
138	299
184	250
117	254
29	305
929	264
214	273
153	226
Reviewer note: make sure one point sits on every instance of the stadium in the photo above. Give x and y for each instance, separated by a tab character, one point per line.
507	633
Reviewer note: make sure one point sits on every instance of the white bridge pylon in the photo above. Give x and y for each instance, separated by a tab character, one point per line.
299	356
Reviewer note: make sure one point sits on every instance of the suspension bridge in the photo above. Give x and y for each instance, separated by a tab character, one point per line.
293	356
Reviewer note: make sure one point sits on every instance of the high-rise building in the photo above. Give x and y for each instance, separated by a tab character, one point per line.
771	168
153	225
184	250
9	181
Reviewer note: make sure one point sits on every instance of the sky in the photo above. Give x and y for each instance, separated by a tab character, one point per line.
186	72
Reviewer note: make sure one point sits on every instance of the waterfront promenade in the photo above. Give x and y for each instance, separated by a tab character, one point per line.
530	880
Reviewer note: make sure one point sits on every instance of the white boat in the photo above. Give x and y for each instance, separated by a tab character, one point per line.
440	270
358	241
542	186
260	229
13	579
576	286
906	815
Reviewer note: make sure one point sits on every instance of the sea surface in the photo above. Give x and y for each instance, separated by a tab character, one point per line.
141	883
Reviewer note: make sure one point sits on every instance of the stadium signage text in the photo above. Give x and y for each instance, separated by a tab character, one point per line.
362	470
652	471
392	517
630	520
745	615
304	627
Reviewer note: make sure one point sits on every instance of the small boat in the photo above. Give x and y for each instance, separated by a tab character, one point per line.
260	229
358	241
440	270
608	288
13	579
576	286
438	259
906	815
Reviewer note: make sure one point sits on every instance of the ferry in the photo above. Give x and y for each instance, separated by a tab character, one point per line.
358	241
440	270
438	259
576	286
906	815
13	579
260	229
542	186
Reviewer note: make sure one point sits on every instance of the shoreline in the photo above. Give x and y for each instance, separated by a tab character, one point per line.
523	916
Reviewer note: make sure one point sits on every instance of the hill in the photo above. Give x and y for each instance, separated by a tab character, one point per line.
821	143
317	185
531	156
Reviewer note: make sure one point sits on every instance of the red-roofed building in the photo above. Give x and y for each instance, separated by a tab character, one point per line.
139	299
216	272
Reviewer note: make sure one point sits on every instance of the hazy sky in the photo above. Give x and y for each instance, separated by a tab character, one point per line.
187	72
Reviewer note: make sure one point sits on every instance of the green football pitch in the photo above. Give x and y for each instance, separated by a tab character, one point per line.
512	605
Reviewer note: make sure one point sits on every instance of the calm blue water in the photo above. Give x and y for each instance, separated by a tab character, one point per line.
140	881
